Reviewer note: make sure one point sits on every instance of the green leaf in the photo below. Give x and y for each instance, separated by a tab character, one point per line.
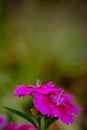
29	117
50	121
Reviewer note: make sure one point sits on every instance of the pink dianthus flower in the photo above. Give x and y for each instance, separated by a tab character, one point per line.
11	126
50	101
26	127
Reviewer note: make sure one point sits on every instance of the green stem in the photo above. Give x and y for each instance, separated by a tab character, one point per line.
42	124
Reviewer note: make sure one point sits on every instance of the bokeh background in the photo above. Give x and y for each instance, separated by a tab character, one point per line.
46	40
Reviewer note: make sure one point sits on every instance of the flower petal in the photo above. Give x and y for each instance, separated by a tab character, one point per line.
49	85
44	90
11	126
63	115
75	109
43	104
22	90
26	127
68	97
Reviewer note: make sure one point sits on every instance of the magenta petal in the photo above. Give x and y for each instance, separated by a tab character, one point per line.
43	104
22	90
48	85
26	127
61	113
11	126
44	90
75	109
68	97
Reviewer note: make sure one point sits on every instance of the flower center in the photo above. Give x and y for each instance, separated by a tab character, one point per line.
57	99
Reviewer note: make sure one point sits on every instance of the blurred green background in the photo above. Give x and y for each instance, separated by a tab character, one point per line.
46	40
